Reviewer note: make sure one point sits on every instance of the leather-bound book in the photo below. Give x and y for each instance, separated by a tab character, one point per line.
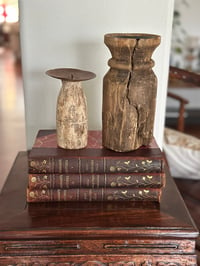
47	157
90	194
108	180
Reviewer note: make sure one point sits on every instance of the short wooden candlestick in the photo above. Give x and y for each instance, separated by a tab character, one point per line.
71	112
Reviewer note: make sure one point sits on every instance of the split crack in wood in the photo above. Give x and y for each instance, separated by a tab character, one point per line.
129	80
131	71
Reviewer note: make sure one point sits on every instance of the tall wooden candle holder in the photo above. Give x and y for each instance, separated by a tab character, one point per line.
129	91
71	112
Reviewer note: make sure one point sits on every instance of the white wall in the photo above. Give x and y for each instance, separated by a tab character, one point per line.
70	33
190	18
189	23
186	35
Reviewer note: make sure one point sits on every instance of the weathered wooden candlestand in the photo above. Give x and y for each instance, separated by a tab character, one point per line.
129	91
71	113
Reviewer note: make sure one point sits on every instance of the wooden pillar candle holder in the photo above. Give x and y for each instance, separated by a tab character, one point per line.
71	112
129	91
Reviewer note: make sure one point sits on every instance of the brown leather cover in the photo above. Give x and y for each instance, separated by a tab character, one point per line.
46	157
110	180
90	194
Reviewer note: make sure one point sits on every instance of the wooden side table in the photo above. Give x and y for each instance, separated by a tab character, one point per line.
123	233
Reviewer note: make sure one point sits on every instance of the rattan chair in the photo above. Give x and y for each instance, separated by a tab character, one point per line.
182	150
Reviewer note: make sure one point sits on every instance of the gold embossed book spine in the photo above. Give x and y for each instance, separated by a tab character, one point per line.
90	194
108	180
94	173
46	157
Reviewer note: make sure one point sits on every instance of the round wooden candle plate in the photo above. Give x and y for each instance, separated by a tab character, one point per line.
70	74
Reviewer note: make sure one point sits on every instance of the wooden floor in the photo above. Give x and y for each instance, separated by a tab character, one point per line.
12	130
12	125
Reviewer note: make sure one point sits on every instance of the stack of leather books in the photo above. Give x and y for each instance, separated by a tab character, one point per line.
93	173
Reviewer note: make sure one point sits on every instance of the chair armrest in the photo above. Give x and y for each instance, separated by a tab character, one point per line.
177	97
182	101
191	78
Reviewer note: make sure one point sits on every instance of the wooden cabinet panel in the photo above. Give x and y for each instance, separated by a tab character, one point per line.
131	233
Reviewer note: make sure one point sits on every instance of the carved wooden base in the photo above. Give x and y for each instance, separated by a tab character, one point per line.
102	260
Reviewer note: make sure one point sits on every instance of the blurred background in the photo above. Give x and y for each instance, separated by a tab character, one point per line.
12	121
185	54
9	26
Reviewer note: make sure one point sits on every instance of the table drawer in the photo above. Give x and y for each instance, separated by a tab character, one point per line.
67	247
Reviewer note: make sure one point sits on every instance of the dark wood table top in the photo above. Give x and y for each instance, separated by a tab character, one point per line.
82	220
